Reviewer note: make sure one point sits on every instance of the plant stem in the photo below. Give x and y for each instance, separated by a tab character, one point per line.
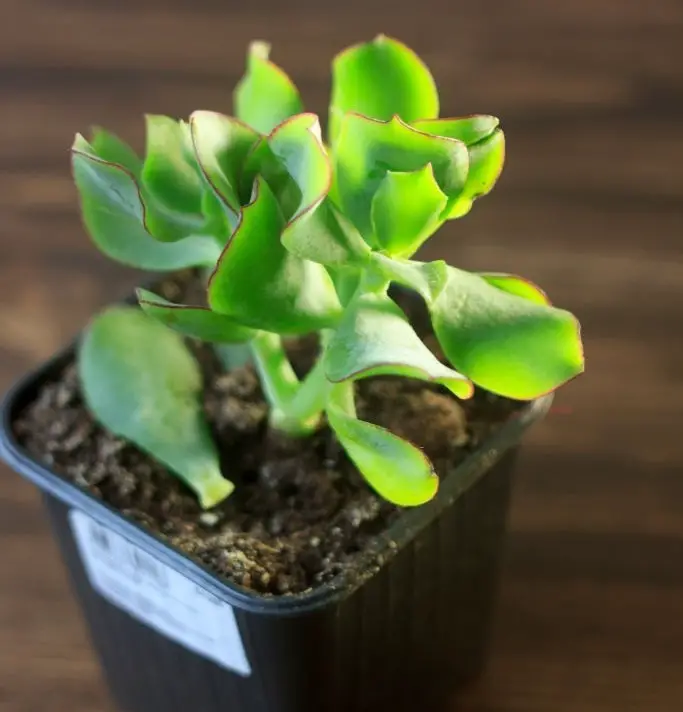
295	406
342	395
301	415
277	375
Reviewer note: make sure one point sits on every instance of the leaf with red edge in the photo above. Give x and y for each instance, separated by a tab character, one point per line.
222	145
170	173
486	165
112	149
121	222
381	79
194	321
367	149
262	285
314	229
468	129
375	338
486	145
505	343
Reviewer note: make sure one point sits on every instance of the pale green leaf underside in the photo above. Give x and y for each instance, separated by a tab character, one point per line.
118	221
153	402
406	210
396	469
381	79
265	96
507	344
195	322
375	338
286	294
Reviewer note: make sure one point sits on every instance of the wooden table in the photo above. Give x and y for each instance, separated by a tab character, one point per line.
591	618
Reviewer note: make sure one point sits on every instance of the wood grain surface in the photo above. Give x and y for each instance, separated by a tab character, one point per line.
591	96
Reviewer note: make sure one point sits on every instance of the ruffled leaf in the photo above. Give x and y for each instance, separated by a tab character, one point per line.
261	284
509	345
396	469
150	401
375	338
169	172
486	164
367	149
381	79
468	129
121	223
193	321
486	146
314	230
406	210
265	96
221	145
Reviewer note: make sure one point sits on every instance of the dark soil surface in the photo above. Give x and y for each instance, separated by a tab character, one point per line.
301	513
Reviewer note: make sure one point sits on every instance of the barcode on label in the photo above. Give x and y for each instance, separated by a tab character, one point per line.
159	596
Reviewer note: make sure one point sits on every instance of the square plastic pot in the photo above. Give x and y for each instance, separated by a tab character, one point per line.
173	637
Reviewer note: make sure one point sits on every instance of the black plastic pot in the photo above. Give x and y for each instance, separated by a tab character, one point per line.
171	636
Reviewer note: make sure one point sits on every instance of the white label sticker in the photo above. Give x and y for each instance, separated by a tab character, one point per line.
159	596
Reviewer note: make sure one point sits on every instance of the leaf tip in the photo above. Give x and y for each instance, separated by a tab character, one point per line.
259	49
215	492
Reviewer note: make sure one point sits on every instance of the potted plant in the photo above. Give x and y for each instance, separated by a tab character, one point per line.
279	479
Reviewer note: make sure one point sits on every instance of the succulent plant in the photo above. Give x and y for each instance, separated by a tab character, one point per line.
301	235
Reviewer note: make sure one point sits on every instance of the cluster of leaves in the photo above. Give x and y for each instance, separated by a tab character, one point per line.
297	235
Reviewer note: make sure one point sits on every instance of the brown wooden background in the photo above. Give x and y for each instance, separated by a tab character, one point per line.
591	95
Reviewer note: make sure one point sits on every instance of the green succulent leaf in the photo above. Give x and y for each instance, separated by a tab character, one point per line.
507	344
381	79
216	217
150	401
222	145
265	96
374	338
298	147
169	173
486	165
406	210
124	225
286	294
425	278
314	230
112	149
194	321
468	129
367	149
512	284
393	467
